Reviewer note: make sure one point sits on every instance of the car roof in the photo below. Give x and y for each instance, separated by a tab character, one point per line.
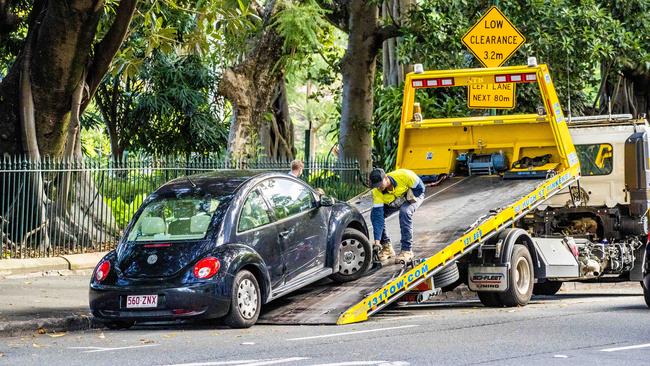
218	183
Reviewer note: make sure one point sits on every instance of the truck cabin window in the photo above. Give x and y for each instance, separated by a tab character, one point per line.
595	159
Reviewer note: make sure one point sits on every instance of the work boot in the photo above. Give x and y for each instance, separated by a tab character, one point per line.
404	257
387	252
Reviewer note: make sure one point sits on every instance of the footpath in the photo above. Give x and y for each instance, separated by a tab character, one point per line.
46	294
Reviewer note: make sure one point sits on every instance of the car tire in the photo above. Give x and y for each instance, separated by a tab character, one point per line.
355	256
490	299
521	279
245	301
548	288
119	324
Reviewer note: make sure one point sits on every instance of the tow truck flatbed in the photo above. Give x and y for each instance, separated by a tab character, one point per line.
462	213
448	211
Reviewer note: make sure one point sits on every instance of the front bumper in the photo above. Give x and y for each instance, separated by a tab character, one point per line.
199	301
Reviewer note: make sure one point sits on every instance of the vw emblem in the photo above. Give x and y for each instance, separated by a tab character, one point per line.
152	259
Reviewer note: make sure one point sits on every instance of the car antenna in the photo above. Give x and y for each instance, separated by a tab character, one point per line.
189	180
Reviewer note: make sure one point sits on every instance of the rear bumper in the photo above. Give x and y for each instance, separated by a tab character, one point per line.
192	302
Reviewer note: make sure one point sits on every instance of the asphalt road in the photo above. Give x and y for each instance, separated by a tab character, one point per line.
596	326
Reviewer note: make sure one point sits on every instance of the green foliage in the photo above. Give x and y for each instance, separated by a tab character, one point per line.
177	112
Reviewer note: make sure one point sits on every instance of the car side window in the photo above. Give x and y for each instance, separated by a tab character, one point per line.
287	198
254	212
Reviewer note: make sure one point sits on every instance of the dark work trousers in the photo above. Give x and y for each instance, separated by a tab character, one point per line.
406	211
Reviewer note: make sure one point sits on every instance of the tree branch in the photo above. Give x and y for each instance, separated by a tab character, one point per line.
337	13
106	49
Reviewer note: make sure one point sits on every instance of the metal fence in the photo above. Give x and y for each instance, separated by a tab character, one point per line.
54	207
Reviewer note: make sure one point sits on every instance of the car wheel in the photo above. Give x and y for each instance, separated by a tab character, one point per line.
355	256
245	301
522	277
548	288
119	324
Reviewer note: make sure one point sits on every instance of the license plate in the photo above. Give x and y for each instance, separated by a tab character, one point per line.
142	301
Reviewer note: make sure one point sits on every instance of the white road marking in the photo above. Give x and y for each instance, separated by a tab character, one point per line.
350	333
216	363
561	356
624	348
243	362
363	363
108	349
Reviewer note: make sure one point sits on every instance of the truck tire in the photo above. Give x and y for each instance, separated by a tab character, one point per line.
447	278
548	288
355	256
490	299
521	279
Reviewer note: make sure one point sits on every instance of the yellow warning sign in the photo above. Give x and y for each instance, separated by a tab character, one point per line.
493	39
484	96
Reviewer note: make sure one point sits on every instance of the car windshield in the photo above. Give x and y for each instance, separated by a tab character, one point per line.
175	218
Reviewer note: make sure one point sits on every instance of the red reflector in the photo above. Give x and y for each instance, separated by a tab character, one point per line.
102	271
181	311
157	245
432	83
206	267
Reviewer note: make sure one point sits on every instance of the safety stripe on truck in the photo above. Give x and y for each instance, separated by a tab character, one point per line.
474	237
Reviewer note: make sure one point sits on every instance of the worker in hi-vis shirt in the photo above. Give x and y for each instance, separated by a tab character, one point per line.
401	190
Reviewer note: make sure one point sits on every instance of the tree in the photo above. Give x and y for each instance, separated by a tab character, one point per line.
360	20
255	87
66	51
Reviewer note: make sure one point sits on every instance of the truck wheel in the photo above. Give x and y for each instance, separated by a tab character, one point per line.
521	281
448	278
355	256
490	299
245	301
548	288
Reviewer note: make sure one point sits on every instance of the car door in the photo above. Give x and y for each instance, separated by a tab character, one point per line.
301	225
256	229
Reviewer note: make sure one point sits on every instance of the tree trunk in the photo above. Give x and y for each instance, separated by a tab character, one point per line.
394	11
41	100
260	125
358	69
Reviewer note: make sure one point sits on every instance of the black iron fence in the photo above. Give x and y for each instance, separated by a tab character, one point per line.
56	207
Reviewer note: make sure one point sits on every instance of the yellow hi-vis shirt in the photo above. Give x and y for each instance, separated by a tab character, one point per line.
405	179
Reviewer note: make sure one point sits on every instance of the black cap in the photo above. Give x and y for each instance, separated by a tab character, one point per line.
376	177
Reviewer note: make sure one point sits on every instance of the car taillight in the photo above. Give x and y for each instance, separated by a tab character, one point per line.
206	267
102	271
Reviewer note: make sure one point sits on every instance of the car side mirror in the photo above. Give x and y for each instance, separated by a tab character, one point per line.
326	200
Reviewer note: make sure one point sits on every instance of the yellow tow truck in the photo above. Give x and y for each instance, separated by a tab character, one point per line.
479	226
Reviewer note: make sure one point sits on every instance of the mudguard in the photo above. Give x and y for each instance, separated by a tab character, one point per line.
342	216
509	238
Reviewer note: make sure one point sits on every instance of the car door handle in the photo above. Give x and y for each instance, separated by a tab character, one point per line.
284	234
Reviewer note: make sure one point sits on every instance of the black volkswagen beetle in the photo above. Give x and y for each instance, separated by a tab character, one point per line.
222	244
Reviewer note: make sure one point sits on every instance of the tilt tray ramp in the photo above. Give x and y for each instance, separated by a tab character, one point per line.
449	210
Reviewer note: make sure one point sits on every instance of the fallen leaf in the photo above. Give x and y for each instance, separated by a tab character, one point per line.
35	345
57	335
41	330
2	354
101	335
146	341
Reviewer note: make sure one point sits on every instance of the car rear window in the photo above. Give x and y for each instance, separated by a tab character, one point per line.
174	219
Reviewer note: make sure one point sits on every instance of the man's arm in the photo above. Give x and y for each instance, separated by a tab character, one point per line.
417	186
